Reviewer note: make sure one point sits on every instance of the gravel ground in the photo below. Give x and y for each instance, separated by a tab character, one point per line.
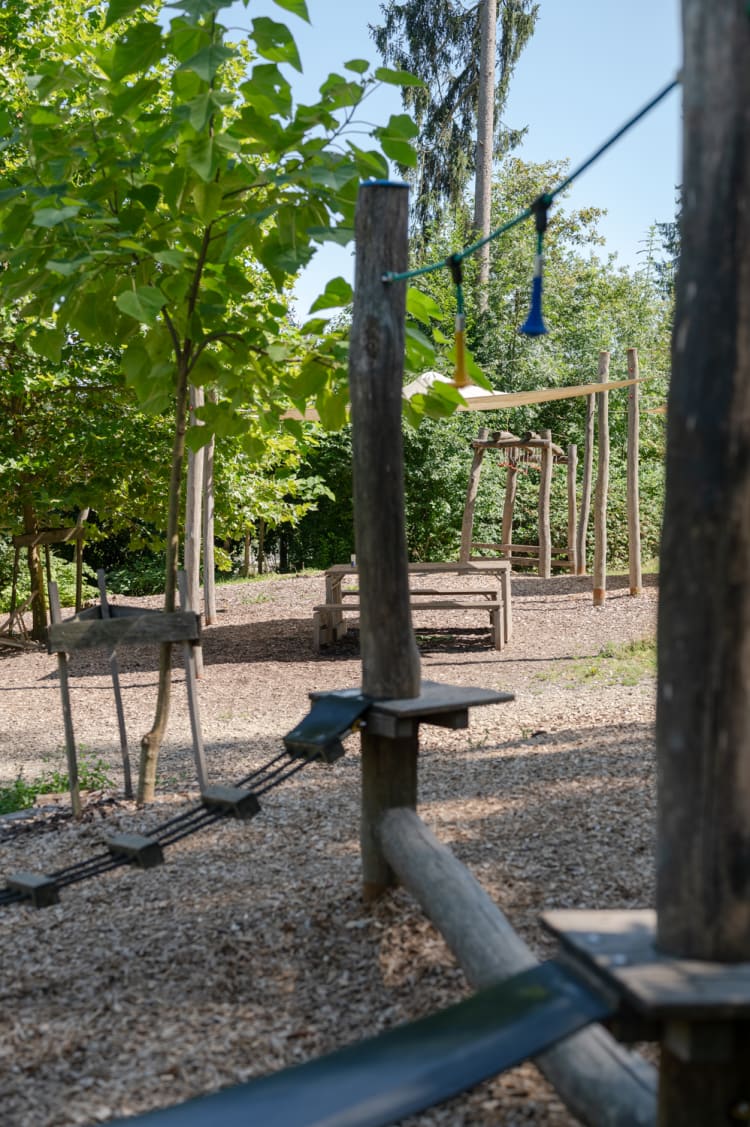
250	949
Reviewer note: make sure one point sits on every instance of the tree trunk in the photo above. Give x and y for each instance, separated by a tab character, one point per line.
151	742
246	555
36	576
261	545
485	146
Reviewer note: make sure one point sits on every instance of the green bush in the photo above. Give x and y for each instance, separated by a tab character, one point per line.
63	574
143	574
20	795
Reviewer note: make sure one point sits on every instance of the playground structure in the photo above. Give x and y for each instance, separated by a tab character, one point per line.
538	451
32	541
691	993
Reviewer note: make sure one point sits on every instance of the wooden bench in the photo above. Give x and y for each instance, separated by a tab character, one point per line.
328	625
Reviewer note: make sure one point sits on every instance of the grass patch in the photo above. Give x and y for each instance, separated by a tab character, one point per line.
21	795
626	664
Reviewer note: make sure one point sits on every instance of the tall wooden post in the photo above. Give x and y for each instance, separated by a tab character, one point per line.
511	485
600	500
588	466
703	709
545	492
634	515
572	473
467	525
485	144
390	659
209	565
193	522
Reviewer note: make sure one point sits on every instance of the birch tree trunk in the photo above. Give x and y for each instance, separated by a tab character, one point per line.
485	145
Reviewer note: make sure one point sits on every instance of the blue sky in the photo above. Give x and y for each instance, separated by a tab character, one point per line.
589	66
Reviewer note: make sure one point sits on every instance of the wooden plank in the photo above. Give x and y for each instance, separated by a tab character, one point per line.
620	946
600	1082
142	630
70	740
633	489
115	674
52	536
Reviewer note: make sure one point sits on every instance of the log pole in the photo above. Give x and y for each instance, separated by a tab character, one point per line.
602	376
597	1079
472	489
209	563
572	539
390	659
511	485
703	706
633	490
600	500
545	493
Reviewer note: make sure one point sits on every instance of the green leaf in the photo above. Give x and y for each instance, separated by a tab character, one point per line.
143	303
275	41
359	66
332	409
196	9
297	7
207	198
268	91
420	354
48	344
52	216
207	61
311	380
397	77
175	258
422	307
119	9
337	293
137	50
202	158
400	151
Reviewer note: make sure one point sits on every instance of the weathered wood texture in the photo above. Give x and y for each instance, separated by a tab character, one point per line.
545	490
65	637
115	675
602	1083
600	500
703	709
390	659
472	489
588	468
209	509
703	703
572	473
633	485
509	504
70	740
194	519
189	657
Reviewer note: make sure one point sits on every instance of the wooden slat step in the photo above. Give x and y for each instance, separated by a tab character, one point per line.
232	800
141	850
40	889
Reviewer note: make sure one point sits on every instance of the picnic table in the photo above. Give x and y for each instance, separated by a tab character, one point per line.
329	623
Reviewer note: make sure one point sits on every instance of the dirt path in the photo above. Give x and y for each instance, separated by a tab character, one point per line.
249	949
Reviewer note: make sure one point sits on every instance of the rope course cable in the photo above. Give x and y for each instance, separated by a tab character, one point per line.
264	778
541	204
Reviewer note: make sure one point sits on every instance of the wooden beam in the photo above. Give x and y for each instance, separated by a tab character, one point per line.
390	658
596	1078
147	629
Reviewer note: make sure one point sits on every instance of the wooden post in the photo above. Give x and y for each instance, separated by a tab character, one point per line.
703	704
467	524
588	466
115	674
545	490
600	500
188	657
70	740
634	516
209	565
572	472
79	558
390	659
193	521
509	504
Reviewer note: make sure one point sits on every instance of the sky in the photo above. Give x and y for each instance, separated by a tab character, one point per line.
589	66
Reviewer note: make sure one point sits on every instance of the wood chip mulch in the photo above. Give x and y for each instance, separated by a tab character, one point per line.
250	950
